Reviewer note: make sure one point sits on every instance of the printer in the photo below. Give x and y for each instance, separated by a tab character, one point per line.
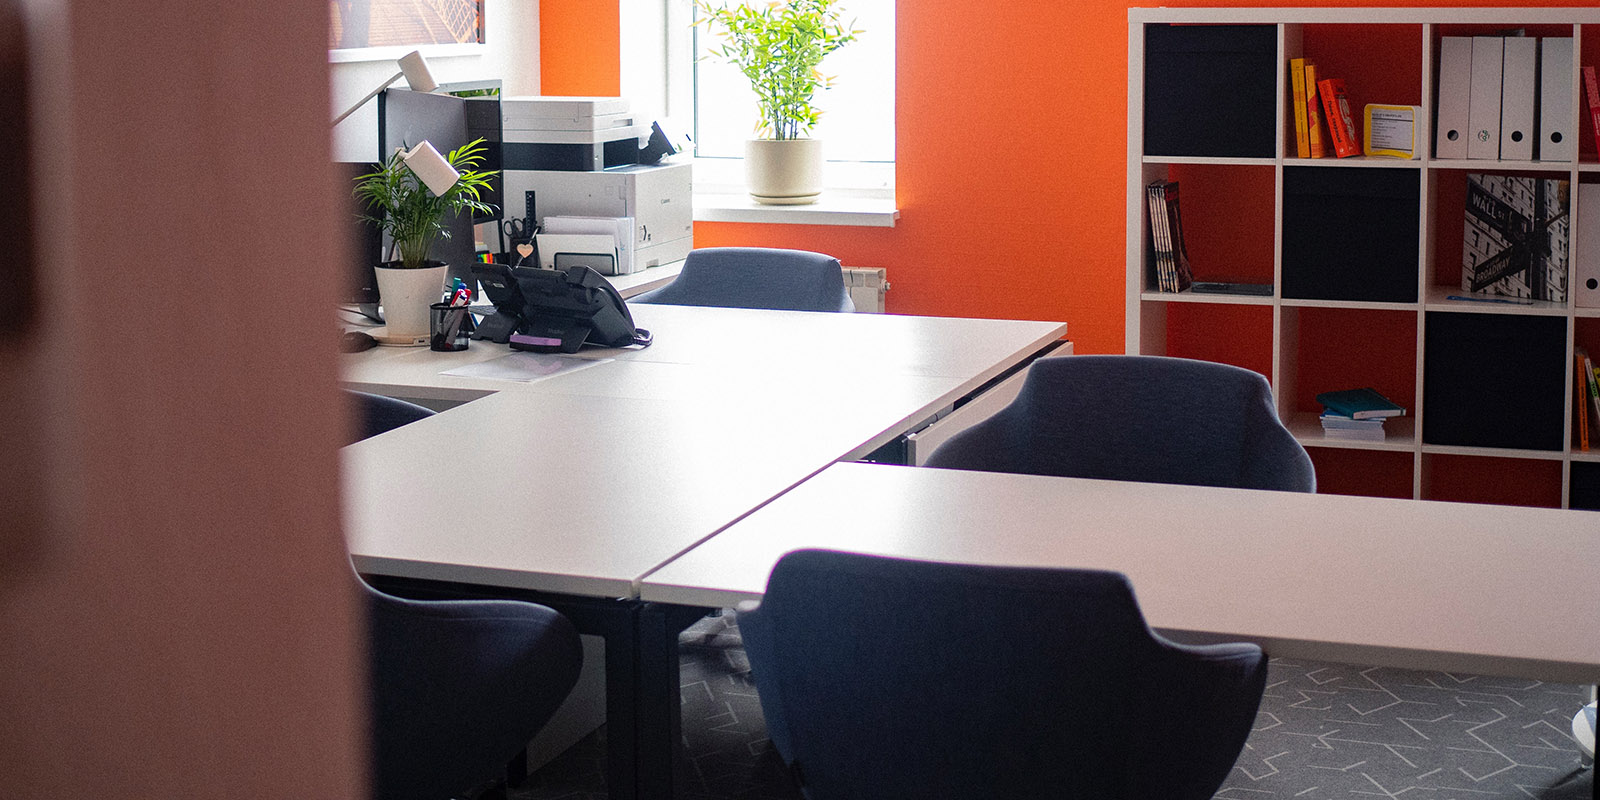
579	157
568	133
657	197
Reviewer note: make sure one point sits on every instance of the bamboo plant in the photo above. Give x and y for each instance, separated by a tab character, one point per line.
778	47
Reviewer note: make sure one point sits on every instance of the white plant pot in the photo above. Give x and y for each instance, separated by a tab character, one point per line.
406	295
783	171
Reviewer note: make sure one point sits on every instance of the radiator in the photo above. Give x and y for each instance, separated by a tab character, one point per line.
867	286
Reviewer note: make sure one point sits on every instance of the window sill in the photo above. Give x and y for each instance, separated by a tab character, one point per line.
834	207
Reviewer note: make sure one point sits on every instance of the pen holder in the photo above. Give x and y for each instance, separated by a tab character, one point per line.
449	327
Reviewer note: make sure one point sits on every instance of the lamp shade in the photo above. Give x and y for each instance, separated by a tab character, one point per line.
430	167
413	68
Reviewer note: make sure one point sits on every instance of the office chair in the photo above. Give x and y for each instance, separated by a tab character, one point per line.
756	277
377	414
954	680
458	687
1138	418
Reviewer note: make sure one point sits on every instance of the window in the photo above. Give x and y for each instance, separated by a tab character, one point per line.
665	76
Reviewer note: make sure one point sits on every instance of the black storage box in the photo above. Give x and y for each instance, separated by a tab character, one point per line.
1210	90
1585	492
1350	233
1494	380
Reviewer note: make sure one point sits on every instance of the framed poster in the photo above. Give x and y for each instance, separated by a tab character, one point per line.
383	25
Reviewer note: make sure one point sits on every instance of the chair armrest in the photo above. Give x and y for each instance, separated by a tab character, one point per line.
1200	702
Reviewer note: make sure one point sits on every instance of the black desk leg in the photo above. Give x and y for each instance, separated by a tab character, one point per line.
660	720
617	622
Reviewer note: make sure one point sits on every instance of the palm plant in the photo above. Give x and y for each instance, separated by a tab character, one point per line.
410	212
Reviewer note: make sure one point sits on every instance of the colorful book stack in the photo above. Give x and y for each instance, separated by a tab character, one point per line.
1322	116
1356	414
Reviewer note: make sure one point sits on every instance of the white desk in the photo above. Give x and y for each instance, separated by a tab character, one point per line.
1451	586
608	472
583	493
748	346
570	490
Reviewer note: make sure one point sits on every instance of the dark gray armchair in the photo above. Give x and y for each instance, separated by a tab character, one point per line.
458	687
1138	418
883	677
756	277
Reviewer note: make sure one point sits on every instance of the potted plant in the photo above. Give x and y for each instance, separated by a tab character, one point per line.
414	216
778	47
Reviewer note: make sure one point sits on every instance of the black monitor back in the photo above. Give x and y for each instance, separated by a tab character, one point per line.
406	118
364	239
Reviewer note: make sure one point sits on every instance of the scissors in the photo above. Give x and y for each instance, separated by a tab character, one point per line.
519	230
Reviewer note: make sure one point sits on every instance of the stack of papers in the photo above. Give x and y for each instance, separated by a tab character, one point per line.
1356	414
1335	426
611	236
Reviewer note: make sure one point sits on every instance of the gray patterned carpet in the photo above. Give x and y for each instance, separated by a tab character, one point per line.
1325	732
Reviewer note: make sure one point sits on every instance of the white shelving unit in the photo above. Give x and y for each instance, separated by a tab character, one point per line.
1298	32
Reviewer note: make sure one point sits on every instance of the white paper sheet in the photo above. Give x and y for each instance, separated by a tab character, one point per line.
525	367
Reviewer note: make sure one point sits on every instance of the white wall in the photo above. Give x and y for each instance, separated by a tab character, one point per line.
511	53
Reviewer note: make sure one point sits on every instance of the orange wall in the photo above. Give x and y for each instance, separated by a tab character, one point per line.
1011	132
580	52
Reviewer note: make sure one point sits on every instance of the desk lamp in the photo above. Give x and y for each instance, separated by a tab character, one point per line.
431	168
413	68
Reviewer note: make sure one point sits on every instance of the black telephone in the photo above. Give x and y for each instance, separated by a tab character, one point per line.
501	287
549	311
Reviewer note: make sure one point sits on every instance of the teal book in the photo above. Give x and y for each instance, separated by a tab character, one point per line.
1360	404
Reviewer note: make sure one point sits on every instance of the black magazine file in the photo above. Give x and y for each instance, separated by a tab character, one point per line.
1210	90
1494	380
1585	493
1350	233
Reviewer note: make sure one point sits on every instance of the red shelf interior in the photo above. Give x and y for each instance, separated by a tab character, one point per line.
1225	209
1501	481
1371	473
1479	29
1378	63
1240	335
1343	348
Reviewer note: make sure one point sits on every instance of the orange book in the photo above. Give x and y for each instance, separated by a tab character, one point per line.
1314	114
1583	402
1341	126
1297	99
